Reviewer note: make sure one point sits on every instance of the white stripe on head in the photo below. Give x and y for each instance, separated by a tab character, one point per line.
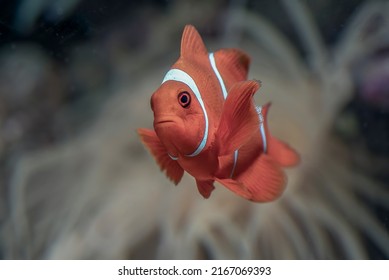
181	76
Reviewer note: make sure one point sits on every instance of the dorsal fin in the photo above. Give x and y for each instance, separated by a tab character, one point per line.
234	63
191	42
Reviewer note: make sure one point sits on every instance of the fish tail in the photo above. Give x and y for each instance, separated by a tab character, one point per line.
280	151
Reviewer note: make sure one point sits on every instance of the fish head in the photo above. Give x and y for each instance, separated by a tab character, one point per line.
178	117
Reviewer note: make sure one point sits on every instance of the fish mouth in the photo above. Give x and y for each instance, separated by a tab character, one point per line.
164	120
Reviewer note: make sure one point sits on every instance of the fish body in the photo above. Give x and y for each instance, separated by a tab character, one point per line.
206	123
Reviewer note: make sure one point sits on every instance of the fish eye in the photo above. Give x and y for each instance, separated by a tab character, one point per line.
184	99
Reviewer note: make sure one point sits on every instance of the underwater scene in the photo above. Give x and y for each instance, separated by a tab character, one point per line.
90	170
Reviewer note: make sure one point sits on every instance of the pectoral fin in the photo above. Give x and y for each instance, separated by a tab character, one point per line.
172	169
239	119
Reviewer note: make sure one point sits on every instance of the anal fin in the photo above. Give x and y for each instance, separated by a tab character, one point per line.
262	181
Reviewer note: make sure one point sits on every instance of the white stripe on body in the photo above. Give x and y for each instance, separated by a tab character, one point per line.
262	128
224	90
181	76
258	108
219	77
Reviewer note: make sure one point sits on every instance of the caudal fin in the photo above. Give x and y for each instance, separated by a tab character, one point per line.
281	152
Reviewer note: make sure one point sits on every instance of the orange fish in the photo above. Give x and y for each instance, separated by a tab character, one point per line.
207	124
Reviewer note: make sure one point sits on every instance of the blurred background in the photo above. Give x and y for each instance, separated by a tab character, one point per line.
75	82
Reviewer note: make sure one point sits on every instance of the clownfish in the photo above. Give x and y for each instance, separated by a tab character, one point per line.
206	123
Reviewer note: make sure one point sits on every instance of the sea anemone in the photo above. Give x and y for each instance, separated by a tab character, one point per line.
101	195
